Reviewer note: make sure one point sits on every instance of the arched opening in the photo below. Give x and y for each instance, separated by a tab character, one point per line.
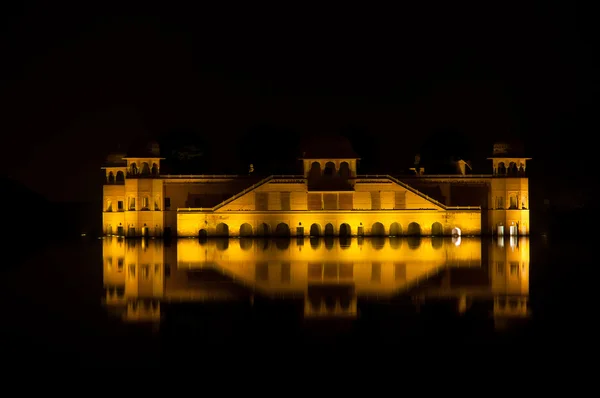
282	230
395	229
245	243
263	230
522	170
344	172
329	230
414	229
315	170
222	230
145	169
120	177
111	178
512	169
315	230
154	169
133	168
329	169
501	168
345	230
245	230
456	231
202	234
378	229
437	229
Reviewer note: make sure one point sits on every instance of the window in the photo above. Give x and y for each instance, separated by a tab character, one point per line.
120	205
499	202
167	203
145	203
108	205
131	203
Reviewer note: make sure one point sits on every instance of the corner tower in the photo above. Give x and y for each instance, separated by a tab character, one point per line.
509	193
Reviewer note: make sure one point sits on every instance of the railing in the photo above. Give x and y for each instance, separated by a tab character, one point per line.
446	176
203	176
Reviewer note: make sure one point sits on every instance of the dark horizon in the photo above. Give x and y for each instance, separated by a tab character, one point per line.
82	81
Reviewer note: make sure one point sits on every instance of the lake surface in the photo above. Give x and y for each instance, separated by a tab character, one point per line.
119	302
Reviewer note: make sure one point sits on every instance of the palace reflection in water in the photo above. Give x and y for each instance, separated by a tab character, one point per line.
330	276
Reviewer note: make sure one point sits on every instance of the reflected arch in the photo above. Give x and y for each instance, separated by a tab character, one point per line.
437	242
202	234
395	229
245	230
378	229
345	230
282	230
315	230
437	229
222	230
263	229
414	229
329	231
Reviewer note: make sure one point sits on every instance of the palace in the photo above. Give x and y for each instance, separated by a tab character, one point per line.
329	198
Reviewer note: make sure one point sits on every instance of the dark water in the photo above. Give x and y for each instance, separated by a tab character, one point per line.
119	303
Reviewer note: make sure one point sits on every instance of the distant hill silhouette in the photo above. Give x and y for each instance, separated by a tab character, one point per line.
29	213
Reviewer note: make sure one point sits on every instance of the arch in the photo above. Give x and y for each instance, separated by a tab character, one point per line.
111	178
345	230
512	169
395	229
245	230
456	231
315	170
315	230
437	229
501	168
154	169
329	170
282	230
120	177
344	171
222	229
133	168
202	234
378	229
263	230
414	229
145	169
522	170
329	231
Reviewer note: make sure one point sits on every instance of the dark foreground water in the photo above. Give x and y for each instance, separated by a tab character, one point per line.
114	302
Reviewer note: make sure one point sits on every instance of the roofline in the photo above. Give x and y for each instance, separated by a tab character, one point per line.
143	157
509	157
329	157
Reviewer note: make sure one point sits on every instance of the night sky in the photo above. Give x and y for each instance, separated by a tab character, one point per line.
77	82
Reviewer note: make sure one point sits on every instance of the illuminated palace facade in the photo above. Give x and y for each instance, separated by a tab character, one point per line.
328	198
